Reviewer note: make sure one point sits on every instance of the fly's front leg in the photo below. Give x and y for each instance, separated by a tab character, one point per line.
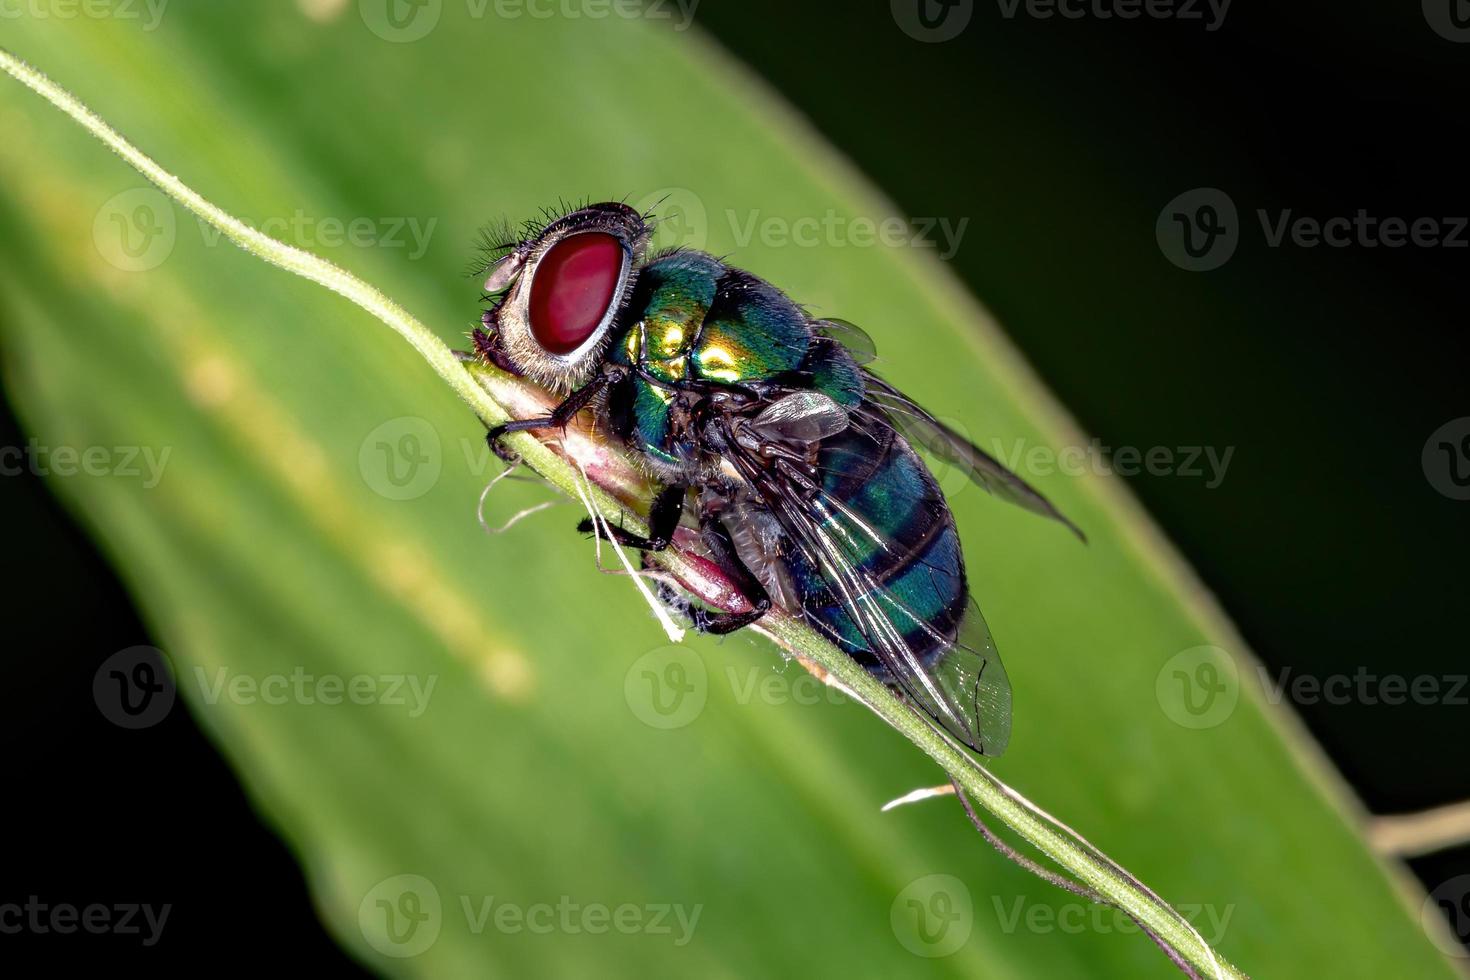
663	521
562	414
722	551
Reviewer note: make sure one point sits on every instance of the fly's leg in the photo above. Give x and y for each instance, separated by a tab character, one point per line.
722	551
663	520
561	415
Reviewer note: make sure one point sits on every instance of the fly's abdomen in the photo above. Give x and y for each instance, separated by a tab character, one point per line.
890	539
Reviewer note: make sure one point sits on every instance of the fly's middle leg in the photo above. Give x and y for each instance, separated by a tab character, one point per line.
663	521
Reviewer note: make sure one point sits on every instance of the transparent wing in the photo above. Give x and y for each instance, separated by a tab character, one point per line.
853	338
963	686
985	471
803	417
918	426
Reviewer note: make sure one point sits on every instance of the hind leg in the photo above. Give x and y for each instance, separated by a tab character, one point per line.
722	552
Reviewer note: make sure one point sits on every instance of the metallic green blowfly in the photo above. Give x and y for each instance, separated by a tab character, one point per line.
798	458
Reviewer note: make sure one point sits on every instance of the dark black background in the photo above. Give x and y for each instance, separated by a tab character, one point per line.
1327	369
1061	140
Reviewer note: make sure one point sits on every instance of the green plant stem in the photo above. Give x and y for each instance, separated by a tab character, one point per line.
475	383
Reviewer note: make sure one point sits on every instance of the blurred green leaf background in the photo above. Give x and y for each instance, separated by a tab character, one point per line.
316	514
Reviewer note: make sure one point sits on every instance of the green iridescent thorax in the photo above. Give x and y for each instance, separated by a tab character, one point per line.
698	319
693	318
673	296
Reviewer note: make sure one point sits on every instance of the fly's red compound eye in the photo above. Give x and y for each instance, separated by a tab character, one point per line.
574	285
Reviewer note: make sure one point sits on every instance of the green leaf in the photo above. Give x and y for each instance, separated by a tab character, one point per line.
280	541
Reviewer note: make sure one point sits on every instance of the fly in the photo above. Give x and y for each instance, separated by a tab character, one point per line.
765	424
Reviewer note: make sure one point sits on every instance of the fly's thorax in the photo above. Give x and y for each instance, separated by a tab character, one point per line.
697	319
659	344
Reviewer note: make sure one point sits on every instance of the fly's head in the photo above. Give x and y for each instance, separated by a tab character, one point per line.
560	293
